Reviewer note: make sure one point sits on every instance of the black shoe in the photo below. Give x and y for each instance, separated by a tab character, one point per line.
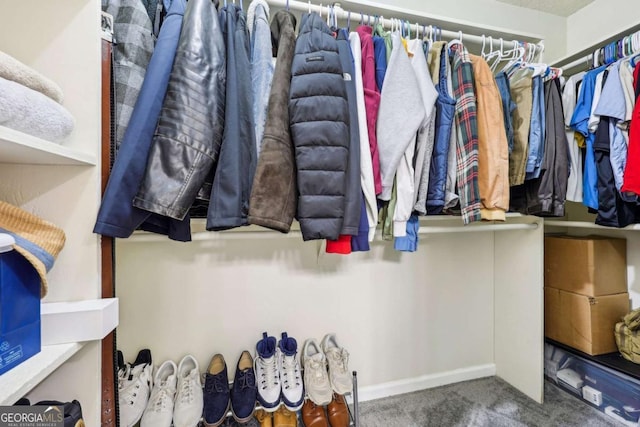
244	391
72	412
216	392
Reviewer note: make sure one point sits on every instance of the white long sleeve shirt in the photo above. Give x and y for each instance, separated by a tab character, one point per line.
366	165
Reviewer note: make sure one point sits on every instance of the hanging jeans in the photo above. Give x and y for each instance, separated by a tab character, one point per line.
612	210
508	106
445	113
536	131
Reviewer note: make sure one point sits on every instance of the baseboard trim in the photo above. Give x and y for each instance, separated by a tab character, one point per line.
424	382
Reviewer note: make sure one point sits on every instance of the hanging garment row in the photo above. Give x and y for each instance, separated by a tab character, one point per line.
348	130
602	118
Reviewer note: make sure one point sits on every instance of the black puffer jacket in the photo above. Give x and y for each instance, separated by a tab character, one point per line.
319	117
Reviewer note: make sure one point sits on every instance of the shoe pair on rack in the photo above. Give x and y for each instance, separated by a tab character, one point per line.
72	410
282	417
218	399
176	395
336	415
278	373
319	383
134	385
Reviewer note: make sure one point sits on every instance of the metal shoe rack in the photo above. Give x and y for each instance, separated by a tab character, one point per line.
353	408
354	413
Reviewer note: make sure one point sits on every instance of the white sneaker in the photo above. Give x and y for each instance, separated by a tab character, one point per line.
267	373
316	378
338	359
159	412
123	370
189	399
134	386
290	374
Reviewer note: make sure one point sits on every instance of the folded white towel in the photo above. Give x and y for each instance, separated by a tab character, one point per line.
14	70
31	112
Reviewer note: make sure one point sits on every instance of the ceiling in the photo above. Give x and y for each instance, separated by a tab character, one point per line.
555	7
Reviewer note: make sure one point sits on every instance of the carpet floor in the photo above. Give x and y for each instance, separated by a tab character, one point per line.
487	402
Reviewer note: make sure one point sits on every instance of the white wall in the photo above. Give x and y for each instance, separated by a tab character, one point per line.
599	20
399	315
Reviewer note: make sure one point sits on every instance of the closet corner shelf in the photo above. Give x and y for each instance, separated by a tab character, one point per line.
19	381
20	148
587	225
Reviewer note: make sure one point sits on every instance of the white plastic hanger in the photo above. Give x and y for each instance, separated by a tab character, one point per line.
457	41
498	54
484	44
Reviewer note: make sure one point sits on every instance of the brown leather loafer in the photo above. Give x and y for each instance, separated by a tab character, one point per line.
264	417
313	415
284	418
338	411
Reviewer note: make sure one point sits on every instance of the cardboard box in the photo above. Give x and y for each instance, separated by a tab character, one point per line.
591	266
19	310
582	322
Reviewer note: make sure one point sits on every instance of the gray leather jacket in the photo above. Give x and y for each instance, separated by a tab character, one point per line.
187	142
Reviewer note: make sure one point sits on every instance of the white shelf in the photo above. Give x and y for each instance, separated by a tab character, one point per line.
17	382
588	225
20	148
78	321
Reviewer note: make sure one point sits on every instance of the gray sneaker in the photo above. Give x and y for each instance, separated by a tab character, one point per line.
316	377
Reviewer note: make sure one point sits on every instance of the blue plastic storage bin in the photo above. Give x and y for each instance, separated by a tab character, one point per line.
19	307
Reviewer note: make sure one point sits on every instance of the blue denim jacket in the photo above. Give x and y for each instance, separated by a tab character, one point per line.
262	66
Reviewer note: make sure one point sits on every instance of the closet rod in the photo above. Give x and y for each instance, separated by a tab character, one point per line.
415	28
144	237
477	228
585	60
588	225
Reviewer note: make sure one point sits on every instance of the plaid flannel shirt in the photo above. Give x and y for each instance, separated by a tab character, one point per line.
467	131
133	34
